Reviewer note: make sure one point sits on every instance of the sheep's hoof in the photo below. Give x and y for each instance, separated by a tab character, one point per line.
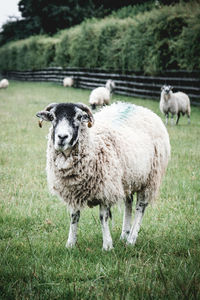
107	247
70	245
124	236
131	241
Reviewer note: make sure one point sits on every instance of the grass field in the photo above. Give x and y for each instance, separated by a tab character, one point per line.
34	263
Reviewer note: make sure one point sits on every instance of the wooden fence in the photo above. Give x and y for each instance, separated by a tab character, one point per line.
129	83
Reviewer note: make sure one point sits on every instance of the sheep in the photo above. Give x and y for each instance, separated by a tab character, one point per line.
100	96
174	103
4	83
103	159
68	81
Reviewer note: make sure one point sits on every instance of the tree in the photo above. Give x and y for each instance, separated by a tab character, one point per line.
52	15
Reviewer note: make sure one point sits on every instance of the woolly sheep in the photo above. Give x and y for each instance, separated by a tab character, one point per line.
68	81
4	83
174	103
103	159
100	96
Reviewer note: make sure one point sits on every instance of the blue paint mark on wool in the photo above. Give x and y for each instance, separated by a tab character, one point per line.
125	110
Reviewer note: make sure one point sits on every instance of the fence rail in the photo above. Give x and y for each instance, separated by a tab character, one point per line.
130	84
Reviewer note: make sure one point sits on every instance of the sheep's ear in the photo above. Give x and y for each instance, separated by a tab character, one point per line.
89	118
50	106
44	116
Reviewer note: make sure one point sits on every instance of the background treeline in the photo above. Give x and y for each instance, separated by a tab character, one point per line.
50	16
140	38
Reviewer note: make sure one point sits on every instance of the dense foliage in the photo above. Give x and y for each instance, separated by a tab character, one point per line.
166	37
47	17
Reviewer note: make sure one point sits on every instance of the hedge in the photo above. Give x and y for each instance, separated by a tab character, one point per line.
29	54
166	37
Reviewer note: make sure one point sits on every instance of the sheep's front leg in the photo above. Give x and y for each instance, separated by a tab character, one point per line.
127	218
104	216
72	237
178	117
188	115
172	120
166	118
139	212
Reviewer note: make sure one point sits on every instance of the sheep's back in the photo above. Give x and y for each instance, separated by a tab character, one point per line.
183	102
126	116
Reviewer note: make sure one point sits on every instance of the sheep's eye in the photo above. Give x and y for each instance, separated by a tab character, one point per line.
79	118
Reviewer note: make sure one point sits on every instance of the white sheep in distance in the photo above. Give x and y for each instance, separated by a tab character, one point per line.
4	83
174	103
100	96
104	159
68	81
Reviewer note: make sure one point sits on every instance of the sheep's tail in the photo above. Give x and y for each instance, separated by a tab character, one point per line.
159	166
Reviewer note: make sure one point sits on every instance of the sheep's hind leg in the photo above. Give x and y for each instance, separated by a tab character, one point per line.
139	212
104	216
166	118
172	120
126	227
178	117
72	237
188	115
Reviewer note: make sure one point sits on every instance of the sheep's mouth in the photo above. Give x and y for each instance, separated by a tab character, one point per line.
60	147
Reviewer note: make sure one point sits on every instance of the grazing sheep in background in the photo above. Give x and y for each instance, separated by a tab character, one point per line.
174	103
101	95
4	83
104	159
68	81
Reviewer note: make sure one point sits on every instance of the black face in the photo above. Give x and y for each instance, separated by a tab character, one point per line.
66	118
66	125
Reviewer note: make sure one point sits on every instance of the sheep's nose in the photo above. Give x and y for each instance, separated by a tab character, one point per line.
62	137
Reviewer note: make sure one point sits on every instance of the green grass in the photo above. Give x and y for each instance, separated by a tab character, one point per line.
34	263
